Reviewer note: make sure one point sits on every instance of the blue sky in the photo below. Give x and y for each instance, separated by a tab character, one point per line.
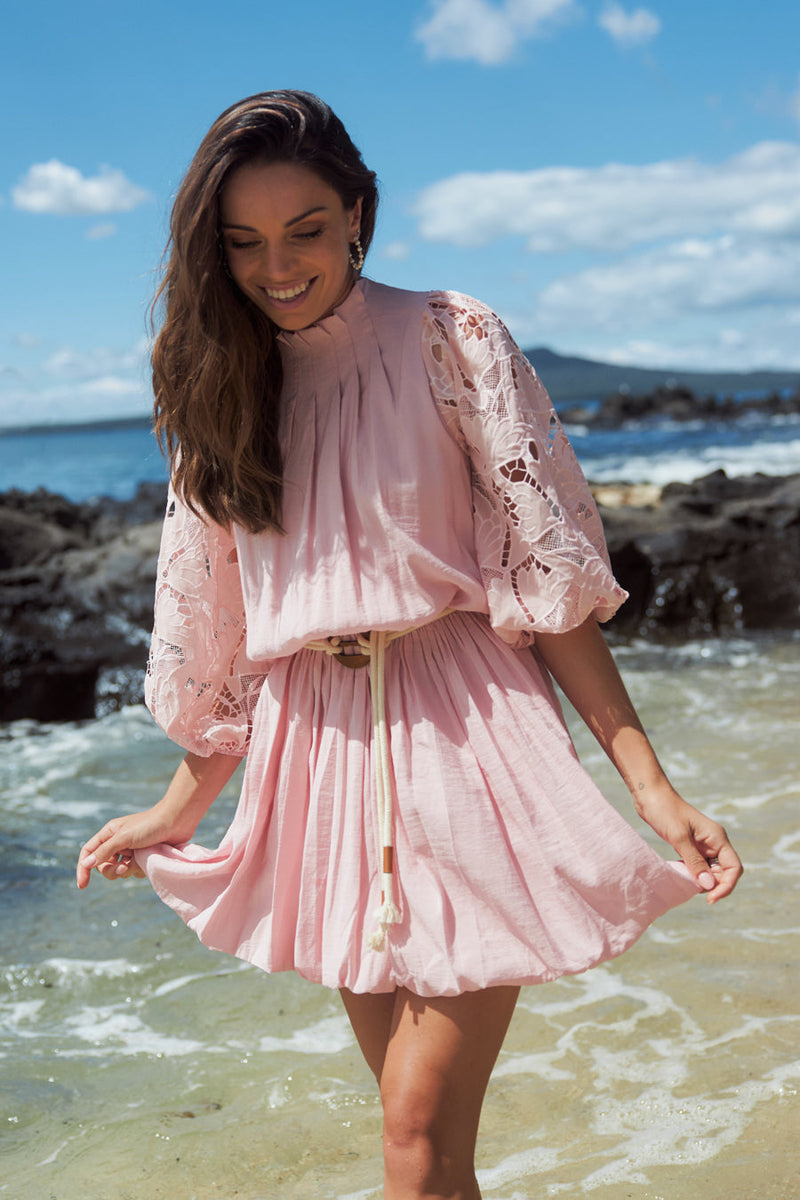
618	180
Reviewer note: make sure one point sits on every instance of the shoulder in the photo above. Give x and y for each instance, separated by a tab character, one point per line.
467	323
445	305
446	319
468	331
380	297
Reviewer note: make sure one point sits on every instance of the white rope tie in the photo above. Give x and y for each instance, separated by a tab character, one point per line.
387	914
374	646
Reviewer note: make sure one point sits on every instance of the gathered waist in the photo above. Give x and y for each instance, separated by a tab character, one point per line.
357	650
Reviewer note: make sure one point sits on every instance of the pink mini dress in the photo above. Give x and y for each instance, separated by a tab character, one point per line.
425	473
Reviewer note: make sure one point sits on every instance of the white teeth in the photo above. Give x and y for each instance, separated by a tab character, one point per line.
286	293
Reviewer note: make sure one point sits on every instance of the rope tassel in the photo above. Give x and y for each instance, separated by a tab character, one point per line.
388	913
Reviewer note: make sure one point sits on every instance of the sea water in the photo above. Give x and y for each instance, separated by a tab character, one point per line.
85	464
135	1063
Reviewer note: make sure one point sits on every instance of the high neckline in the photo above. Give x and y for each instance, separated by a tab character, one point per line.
346	305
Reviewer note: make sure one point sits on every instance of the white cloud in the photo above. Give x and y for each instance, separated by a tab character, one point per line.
722	274
54	187
97	232
618	205
98	399
476	29
79	385
25	340
396	250
101	361
765	346
629	28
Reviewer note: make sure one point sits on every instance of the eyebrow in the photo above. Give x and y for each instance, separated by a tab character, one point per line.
294	221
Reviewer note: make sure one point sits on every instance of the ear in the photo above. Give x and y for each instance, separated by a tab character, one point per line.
355	219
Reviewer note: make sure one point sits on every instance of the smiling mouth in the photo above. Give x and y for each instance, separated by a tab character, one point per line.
289	293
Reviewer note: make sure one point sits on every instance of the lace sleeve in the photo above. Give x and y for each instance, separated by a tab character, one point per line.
538	534
200	686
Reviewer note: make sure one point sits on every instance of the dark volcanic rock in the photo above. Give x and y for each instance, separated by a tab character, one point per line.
76	597
678	403
715	557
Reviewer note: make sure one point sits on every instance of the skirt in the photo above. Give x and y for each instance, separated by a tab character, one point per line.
510	865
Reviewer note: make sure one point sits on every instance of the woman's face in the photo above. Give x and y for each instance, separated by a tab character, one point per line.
286	236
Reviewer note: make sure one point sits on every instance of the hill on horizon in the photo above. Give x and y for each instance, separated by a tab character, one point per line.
569	378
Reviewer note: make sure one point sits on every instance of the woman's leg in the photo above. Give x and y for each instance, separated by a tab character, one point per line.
436	1061
371	1017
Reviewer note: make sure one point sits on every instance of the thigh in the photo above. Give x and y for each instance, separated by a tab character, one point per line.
371	1017
440	1055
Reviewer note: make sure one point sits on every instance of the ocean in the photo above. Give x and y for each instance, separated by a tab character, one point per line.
84	464
135	1063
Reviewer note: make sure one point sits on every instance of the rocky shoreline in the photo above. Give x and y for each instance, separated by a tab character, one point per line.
716	557
677	403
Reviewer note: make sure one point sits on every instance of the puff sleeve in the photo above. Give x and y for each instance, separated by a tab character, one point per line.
538	535
200	686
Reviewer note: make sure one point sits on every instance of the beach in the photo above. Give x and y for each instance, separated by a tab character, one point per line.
136	1063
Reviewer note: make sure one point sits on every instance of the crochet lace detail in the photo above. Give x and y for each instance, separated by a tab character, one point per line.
200	686
538	534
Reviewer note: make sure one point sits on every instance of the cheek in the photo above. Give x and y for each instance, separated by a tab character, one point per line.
237	271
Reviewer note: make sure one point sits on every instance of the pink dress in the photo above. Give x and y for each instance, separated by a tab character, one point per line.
425	470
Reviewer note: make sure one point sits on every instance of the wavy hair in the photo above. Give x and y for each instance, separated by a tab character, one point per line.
216	363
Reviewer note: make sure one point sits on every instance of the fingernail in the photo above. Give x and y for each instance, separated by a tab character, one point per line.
706	880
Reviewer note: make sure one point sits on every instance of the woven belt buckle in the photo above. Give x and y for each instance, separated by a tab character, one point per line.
351	659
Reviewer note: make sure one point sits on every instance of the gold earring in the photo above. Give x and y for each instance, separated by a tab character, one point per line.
357	258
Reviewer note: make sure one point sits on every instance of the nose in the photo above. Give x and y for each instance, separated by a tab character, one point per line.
277	261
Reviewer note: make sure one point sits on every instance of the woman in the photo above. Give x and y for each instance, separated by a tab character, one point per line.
348	457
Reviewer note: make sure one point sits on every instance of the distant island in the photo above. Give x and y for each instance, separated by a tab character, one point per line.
97	426
568	379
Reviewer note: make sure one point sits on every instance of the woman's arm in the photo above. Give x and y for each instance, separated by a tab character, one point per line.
582	665
193	789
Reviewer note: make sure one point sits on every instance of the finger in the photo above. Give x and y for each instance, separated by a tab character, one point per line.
98	839
115	868
87	857
108	870
727	870
724	865
121	866
128	868
104	847
696	861
82	874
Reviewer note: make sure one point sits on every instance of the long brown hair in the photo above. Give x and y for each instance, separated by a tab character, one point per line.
216	364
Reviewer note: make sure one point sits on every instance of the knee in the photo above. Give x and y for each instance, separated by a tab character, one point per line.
413	1142
408	1117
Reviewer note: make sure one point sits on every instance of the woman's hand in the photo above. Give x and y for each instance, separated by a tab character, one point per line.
194	787
581	663
702	843
110	851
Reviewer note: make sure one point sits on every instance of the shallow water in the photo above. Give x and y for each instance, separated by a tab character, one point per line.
137	1064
